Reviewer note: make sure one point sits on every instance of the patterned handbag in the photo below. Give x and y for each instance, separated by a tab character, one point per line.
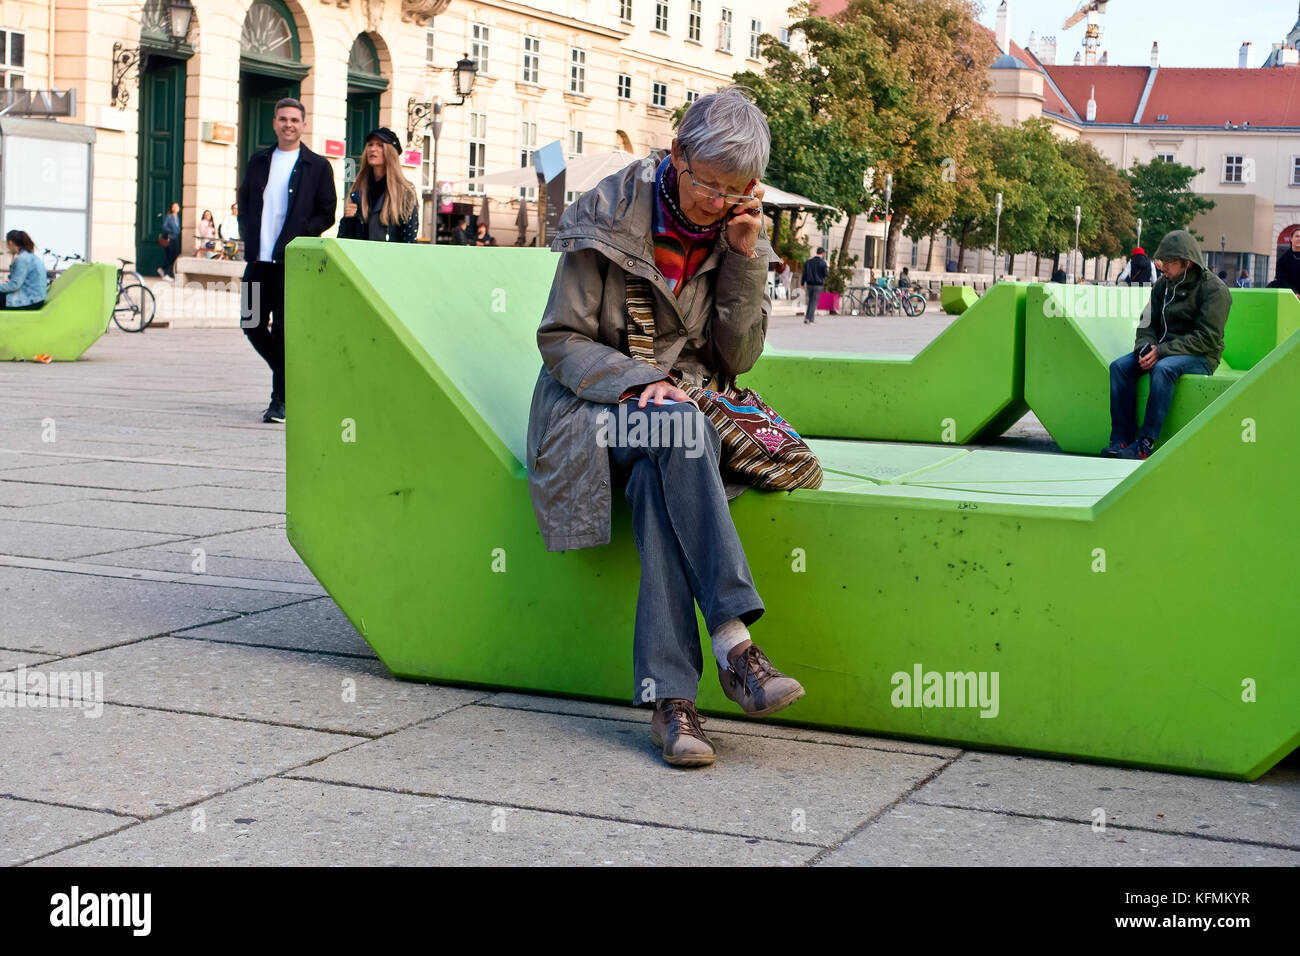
759	447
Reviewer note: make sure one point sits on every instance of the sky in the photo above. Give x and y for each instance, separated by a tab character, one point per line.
1202	33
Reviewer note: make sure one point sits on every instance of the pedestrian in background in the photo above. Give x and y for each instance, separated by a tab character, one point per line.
28	280
459	237
382	204
287	192
483	238
207	237
1288	266
171	231
813	281
1243	280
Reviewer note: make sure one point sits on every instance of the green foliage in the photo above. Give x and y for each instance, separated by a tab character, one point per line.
790	245
839	271
1163	199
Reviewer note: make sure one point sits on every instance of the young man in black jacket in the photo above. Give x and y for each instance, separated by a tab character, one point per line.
287	192
815	271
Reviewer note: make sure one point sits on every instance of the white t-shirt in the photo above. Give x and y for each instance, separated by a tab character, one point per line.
230	228
275	201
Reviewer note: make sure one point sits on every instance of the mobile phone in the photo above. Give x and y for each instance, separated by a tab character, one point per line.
355	197
1147	348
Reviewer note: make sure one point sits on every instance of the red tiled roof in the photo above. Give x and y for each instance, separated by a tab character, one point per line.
1190	97
1119	89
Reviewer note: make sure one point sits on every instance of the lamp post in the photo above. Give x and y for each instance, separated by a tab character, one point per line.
126	59
997	237
430	115
889	195
1139	242
1223	251
1078	217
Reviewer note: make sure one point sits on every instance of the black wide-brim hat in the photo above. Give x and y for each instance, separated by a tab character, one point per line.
385	135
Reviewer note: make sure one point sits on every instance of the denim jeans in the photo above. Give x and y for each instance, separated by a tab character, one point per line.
1124	375
690	552
814	293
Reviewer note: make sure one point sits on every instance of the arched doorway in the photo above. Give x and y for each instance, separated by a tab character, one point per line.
365	84
270	68
160	159
624	142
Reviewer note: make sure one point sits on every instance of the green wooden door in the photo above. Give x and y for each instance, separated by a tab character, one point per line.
257	98
363	116
161	156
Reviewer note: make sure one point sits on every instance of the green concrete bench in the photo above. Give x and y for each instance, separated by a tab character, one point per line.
1073	333
956	299
915	576
966	385
77	310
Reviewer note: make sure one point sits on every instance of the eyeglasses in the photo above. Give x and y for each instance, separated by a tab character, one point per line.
710	192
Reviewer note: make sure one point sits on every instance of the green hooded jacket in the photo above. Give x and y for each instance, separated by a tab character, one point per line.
1188	315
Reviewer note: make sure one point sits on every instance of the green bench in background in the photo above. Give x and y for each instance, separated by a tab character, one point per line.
1028	575
77	310
956	299
1073	333
966	385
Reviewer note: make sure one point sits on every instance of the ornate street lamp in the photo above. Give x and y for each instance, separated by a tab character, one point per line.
180	13
430	115
127	60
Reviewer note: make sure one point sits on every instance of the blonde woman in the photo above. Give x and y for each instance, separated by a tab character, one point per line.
382	205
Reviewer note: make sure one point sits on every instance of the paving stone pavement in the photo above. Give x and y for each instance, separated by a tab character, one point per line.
243	720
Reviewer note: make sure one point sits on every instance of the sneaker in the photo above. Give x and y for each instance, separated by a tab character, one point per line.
1113	449
676	728
758	687
274	412
1140	450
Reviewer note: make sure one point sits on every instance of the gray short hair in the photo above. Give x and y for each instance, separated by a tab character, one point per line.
727	130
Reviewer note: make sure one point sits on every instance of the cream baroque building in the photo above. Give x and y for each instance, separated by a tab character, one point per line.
176	120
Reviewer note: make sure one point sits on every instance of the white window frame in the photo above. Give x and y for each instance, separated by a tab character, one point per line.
527	146
530	70
661	16
575	143
755	31
577	71
9	70
1165	158
1230	168
476	160
694	19
430	56
426	163
692	96
625	86
1295	170
480	42
659	94
724	31
625	10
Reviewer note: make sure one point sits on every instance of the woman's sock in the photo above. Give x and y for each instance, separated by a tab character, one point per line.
725	638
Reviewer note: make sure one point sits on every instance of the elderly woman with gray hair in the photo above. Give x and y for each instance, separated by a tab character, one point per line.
681	230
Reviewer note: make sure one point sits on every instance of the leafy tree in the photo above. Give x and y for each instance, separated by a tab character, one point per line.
1163	197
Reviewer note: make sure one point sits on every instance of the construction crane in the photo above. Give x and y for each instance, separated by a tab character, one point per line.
1091	10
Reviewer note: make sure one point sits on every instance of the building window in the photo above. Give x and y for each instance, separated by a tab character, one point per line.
624	86
527	144
532	70
1164	158
1232	168
755	31
692	96
12	59
577	71
1295	171
724	31
428	47
916	249
659	95
661	15
785	38
477	149
575	143
426	163
949	253
693	20
571	196
478	47
625	10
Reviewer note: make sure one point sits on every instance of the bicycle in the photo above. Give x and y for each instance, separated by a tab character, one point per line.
135	307
53	272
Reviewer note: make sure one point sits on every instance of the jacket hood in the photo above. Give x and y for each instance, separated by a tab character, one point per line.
617	209
1180	245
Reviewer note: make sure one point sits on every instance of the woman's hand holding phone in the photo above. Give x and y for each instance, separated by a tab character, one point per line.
744	222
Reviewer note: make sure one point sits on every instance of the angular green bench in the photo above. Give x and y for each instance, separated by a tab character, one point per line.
956	299
966	385
1073	333
77	310
408	499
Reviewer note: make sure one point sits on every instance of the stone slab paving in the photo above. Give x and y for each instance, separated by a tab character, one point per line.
282	822
224	690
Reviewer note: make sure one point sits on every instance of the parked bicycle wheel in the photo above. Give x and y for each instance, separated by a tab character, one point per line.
875	302
914	304
135	307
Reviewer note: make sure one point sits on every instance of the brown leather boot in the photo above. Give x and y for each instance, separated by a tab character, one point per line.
758	687
676	727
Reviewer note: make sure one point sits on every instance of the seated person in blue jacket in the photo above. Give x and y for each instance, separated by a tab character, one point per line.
1181	333
27	277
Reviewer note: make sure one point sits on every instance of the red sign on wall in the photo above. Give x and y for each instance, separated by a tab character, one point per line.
412	157
335	148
